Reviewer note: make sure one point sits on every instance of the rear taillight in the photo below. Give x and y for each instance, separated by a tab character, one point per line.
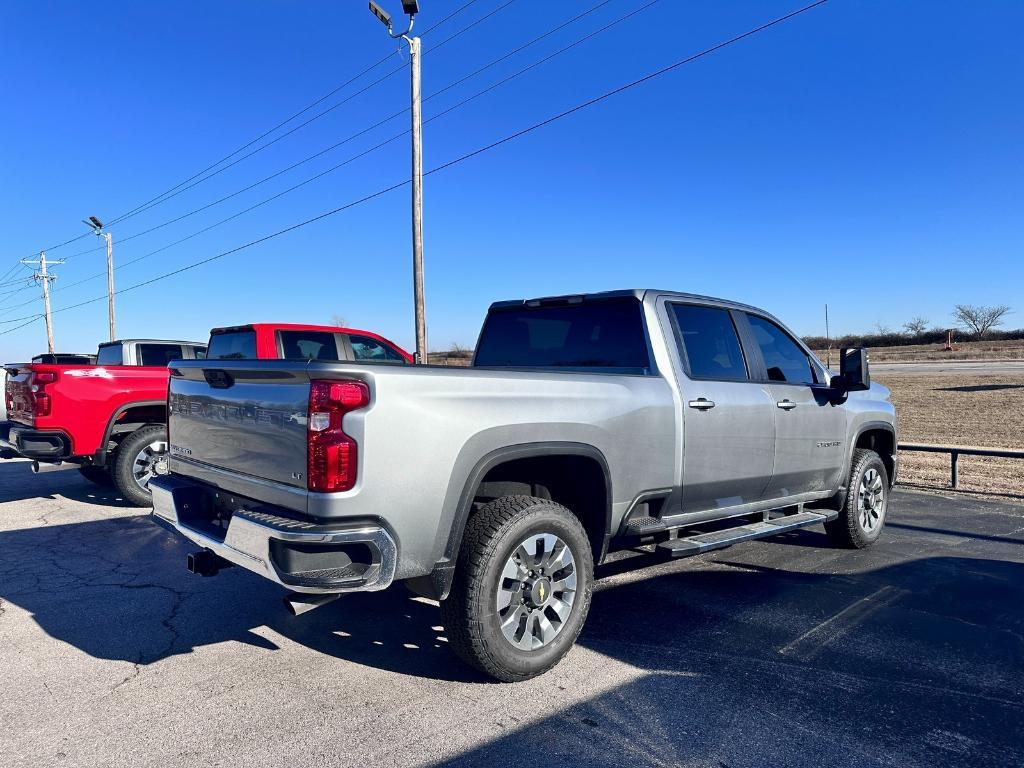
332	456
42	405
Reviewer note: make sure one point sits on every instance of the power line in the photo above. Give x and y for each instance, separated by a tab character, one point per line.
301	125
392	117
364	152
451	163
188	183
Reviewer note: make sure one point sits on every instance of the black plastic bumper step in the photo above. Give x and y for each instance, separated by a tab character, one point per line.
687	546
644	525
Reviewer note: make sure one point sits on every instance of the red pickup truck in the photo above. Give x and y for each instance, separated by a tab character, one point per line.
109	419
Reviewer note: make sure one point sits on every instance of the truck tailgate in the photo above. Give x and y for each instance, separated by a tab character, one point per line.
244	417
19	395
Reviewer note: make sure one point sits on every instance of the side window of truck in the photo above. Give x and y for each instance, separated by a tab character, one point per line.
710	342
308	345
159	354
109	354
370	350
784	360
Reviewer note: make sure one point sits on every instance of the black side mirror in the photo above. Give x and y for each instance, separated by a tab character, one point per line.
853	370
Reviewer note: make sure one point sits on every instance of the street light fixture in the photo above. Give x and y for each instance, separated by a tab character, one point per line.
411	8
97	227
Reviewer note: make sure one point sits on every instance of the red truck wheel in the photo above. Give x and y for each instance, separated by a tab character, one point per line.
140	457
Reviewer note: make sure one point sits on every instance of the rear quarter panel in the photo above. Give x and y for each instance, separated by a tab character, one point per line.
427	428
86	397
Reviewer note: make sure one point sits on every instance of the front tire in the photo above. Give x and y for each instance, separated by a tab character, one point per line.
140	457
522	588
865	504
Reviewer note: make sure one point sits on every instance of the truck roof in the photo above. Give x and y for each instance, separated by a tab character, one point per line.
152	341
271	327
291	327
637	293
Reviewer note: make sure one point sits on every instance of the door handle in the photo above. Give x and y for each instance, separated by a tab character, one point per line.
786	405
702	404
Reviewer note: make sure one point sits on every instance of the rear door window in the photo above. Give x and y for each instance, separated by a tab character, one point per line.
784	359
109	355
233	345
308	345
366	349
159	355
710	342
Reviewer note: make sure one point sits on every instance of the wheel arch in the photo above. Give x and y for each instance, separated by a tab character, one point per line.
141	413
570	473
880	437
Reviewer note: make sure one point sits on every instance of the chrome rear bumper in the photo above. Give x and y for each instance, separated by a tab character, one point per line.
252	537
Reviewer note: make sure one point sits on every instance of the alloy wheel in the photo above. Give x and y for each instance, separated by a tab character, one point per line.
871	500
149	462
536	591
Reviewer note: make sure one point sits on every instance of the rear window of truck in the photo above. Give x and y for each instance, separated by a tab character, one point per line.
606	336
234	345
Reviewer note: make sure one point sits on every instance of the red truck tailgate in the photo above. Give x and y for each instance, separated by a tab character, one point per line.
20	397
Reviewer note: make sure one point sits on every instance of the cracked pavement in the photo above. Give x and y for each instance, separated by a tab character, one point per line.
780	652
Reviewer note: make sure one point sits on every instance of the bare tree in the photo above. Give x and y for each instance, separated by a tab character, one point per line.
458	350
882	329
338	320
980	320
916	325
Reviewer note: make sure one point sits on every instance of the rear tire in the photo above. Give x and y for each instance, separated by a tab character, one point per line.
140	457
98	475
865	503
522	588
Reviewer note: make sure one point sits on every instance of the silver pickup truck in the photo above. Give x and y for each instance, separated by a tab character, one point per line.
586	424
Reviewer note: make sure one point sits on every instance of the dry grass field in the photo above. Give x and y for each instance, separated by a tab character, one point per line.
961	410
968	350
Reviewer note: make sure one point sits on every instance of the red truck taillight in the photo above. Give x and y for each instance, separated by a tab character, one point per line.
42	404
332	458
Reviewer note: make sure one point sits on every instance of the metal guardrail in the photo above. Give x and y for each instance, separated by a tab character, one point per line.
956	451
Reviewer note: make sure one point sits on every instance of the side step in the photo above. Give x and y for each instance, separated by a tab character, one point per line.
687	546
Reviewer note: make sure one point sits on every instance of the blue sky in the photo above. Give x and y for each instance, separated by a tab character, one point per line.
867	154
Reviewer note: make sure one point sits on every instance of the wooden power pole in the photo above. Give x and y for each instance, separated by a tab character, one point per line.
43	276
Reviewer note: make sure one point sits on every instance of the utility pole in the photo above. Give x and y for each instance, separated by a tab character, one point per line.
110	284
97	226
417	200
43	276
828	340
411	8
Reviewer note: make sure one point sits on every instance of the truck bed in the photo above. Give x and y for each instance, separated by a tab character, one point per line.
240	427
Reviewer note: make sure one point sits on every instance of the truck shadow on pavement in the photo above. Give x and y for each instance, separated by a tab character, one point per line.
19	483
912	651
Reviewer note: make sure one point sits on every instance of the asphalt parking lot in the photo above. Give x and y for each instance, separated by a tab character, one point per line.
781	652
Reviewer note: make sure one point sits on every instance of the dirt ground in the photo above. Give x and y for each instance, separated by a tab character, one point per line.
961	410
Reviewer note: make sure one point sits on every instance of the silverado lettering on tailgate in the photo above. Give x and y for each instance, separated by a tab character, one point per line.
197	407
